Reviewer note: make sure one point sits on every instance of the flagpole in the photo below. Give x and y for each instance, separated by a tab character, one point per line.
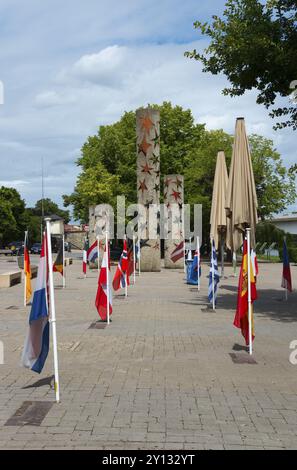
126	273
85	261
25	277
52	308
286	288
134	260
107	274
248	234
234	263
198	264
138	242
212	275
64	267
183	213
98	253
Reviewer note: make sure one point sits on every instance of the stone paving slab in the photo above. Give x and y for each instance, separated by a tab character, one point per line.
160	376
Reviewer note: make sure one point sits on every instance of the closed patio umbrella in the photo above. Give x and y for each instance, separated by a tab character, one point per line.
218	218
241	200
241	206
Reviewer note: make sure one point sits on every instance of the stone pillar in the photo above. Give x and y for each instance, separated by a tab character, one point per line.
173	202
148	184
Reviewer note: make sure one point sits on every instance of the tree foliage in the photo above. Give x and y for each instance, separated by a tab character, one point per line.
15	218
108	164
254	45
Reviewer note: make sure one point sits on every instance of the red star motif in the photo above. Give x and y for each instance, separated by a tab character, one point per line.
146	168
144	146
142	186
146	123
156	246
176	195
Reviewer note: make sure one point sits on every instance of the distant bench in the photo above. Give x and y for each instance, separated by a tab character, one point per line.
11	278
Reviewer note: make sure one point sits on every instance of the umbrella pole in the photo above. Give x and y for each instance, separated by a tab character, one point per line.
222	256
213	276
248	234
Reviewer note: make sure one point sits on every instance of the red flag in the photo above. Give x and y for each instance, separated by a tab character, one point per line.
286	279
103	288
241	319
121	276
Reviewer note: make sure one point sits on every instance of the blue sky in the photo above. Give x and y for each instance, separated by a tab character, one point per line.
69	66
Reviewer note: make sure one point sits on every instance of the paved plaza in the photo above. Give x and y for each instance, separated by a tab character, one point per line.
161	375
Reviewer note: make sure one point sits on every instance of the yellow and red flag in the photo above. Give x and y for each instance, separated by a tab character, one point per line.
27	270
241	319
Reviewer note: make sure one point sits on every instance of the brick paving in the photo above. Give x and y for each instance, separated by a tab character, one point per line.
160	376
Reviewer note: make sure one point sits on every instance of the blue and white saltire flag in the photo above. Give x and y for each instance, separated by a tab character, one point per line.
37	342
213	275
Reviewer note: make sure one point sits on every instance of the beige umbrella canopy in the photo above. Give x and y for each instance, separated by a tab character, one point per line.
218	218
241	200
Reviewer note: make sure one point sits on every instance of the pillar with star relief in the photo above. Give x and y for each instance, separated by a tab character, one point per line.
173	202
148	186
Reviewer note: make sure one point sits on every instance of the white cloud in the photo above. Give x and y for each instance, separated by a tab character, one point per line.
65	78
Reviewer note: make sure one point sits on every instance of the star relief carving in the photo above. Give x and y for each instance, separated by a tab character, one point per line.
146	168
142	186
176	195
146	123
144	146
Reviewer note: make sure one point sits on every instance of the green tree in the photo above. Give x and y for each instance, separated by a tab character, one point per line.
108	164
254	45
13	220
48	207
275	185
108	159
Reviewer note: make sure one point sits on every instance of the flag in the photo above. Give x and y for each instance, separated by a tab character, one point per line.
131	261
241	319
286	279
101	296
27	270
85	250
178	252
37	342
92	253
213	275
120	276
58	264
192	277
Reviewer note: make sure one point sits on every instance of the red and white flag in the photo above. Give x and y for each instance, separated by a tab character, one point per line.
121	275
178	252
104	292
